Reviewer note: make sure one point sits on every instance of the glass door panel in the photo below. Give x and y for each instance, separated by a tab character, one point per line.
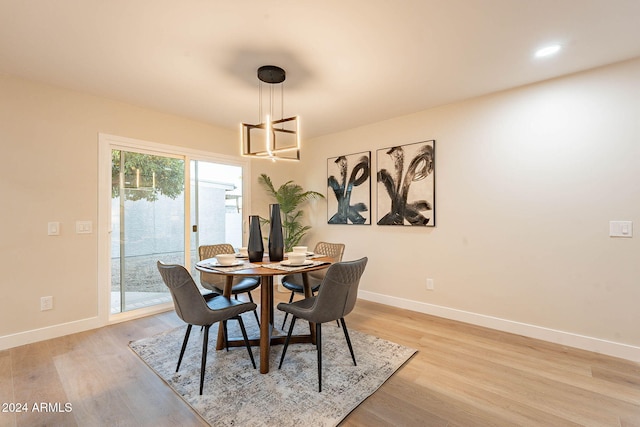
216	206
147	210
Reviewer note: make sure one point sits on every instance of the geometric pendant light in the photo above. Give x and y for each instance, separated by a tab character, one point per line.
275	139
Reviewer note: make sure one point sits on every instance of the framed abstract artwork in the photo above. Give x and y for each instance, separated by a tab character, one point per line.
406	184
349	189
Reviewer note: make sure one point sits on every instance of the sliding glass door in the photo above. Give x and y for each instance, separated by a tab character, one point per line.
162	203
147	217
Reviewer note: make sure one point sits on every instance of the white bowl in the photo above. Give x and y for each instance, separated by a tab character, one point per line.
226	259
297	258
300	249
243	251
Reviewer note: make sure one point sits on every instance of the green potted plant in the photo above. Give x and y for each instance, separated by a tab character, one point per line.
290	196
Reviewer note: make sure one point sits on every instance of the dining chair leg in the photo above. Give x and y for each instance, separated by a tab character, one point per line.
286	314
184	345
226	336
246	340
346	335
203	364
286	341
319	346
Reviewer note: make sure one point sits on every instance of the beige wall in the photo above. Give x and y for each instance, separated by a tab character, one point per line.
49	139
279	172
526	183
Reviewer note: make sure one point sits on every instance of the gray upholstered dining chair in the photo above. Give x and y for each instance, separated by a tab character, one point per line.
335	299
216	283
193	309
293	282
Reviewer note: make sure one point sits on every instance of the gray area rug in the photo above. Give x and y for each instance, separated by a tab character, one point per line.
235	394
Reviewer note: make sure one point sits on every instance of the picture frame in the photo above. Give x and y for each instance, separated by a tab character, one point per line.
406	184
349	189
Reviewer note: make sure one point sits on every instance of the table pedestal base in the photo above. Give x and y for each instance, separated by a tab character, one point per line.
266	322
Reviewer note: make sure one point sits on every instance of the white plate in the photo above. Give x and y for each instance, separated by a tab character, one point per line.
307	254
287	263
233	264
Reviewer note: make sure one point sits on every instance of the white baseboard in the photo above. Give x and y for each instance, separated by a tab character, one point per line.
595	345
35	335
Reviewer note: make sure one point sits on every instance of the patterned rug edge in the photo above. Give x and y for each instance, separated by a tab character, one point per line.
195	411
408	354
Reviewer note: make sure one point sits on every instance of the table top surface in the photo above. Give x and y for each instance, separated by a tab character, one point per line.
259	270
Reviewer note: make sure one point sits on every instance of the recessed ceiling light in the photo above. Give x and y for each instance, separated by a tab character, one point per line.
548	51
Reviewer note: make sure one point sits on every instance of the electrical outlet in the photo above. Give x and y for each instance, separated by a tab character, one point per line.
46	303
430	285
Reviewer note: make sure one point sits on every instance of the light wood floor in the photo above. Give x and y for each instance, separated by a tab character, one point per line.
462	375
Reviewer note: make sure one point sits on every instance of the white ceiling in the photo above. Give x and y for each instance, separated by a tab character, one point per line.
348	62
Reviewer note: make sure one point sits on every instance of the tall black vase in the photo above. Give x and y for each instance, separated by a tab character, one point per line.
276	240
255	247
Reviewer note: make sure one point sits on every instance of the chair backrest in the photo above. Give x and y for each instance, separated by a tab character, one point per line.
210	251
332	250
187	299
339	291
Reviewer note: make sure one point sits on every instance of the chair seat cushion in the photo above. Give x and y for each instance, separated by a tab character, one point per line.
294	283
226	308
245	284
300	309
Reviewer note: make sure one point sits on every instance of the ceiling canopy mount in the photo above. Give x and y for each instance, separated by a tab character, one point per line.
271	74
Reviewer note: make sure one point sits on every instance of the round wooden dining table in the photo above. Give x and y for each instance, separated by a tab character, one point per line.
268	333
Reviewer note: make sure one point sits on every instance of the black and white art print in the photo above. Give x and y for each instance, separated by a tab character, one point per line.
406	184
349	189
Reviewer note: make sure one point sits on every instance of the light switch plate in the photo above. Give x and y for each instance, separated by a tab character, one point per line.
621	228
84	227
53	228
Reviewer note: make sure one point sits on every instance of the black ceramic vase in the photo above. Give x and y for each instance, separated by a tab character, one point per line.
255	248
276	240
